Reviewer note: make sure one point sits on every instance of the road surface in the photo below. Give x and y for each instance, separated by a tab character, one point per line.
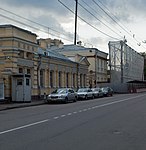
109	123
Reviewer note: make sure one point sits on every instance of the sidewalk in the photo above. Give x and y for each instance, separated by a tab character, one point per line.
11	105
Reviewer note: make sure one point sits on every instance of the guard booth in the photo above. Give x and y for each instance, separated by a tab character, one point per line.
21	88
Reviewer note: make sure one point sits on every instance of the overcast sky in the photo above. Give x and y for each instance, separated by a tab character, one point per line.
99	22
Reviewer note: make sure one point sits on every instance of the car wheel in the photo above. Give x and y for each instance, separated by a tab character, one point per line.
75	99
86	97
66	100
92	96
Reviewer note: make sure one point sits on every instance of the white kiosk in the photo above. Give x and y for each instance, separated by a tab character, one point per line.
21	88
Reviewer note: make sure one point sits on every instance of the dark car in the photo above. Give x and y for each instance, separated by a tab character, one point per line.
107	91
62	95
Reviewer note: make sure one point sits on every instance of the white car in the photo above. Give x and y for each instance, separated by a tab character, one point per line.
97	92
62	95
85	93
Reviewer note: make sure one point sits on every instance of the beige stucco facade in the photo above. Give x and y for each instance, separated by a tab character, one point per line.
97	72
19	55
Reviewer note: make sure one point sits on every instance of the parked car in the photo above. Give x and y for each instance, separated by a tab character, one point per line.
85	93
107	91
97	92
62	95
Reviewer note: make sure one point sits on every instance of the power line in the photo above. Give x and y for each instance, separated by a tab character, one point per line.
99	14
99	19
129	32
32	21
87	22
111	17
31	26
48	28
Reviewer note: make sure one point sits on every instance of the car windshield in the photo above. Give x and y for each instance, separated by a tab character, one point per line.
105	89
95	89
59	91
82	90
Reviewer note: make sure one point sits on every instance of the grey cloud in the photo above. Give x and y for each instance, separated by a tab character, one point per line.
47	5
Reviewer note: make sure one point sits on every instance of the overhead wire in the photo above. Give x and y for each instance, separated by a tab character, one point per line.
98	19
32	21
111	17
45	31
115	19
133	35
98	14
87	22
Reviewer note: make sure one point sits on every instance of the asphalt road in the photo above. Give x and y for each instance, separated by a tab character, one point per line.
110	123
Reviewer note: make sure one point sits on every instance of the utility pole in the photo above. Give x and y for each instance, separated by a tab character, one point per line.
122	45
76	15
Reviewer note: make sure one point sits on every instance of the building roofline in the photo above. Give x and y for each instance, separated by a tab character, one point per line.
13	26
81	48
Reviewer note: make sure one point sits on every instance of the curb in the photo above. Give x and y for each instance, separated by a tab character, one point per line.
22	106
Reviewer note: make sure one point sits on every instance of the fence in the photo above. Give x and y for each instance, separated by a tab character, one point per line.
133	87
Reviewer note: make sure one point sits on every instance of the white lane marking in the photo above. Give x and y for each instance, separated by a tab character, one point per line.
85	109
69	114
62	116
74	112
93	107
114	102
97	106
55	117
25	126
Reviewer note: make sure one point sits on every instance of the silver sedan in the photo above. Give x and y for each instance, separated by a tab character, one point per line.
62	95
85	93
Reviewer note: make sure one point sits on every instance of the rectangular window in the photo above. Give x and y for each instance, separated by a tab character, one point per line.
67	79
23	46
74	80
81	85
20	70
21	54
28	71
60	78
19	45
29	55
19	81
27	47
51	78
42	78
27	82
84	80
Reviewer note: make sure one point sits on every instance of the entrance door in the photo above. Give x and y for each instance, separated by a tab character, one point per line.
19	89
27	93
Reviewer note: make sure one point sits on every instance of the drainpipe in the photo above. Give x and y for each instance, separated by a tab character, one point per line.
38	75
95	68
